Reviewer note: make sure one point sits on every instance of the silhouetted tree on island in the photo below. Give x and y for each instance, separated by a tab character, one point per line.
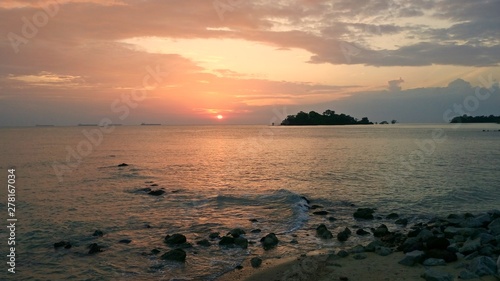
327	118
476	119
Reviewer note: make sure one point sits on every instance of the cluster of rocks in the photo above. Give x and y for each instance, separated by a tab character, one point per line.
475	239
92	248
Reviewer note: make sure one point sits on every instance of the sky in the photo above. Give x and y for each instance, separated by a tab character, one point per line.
65	62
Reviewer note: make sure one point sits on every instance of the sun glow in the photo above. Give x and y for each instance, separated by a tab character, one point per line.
220	117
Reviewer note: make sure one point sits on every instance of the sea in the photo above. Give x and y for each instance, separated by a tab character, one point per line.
68	184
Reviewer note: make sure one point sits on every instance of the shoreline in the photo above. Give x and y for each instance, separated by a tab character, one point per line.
463	247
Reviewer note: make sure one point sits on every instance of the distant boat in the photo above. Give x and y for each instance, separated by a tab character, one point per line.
150	124
87	125
37	125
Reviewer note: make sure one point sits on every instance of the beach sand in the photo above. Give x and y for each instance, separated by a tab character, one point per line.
321	267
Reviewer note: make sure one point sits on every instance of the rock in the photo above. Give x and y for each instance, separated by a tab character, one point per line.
60	244
383	251
359	256
470	246
175	255
364	213
125	241
332	219
236	232
241	241
434	275
323	232
157	192
314	207
402	222
494	227
146	189
320	213
214	235
411	244
269	241
294	241
442	254
203	242
256	262
175	239
253	220
155	252
98	233
362	232
226	240
373	246
425	235
94	248
357	249
154	184
342	254
344	235
483	266
380	231
123	165
486	238
412	258
305	199
434	262
437	243
392	216
257	230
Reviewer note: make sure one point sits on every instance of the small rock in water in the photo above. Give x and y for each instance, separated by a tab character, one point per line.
402	222
157	192
253	220
175	255
145	189
203	242
320	213
362	232
226	240
364	213
239	267
236	232
438	243
125	241
257	230
154	184
65	244
269	241
323	232
380	231
98	233
214	235
94	248
256	262
392	216
344	235
123	165
342	254
241	241
175	239
313	207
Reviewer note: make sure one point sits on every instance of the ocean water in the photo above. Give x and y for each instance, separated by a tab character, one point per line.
219	177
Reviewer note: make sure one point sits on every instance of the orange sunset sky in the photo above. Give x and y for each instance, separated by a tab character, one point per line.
66	62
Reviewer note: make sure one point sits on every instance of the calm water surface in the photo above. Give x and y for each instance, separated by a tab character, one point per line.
218	178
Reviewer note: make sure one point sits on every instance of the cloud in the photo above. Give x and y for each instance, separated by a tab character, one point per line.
395	85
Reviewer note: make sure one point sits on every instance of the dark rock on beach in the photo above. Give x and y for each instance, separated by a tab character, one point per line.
241	241
380	231
175	255
344	235
364	213
236	232
362	232
175	239
62	244
323	232
203	242
214	235
226	241
94	248
269	241
157	192
256	262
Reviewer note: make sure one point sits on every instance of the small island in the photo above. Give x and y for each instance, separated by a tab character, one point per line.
476	119
329	117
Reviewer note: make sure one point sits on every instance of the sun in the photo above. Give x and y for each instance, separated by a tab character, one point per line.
220	117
